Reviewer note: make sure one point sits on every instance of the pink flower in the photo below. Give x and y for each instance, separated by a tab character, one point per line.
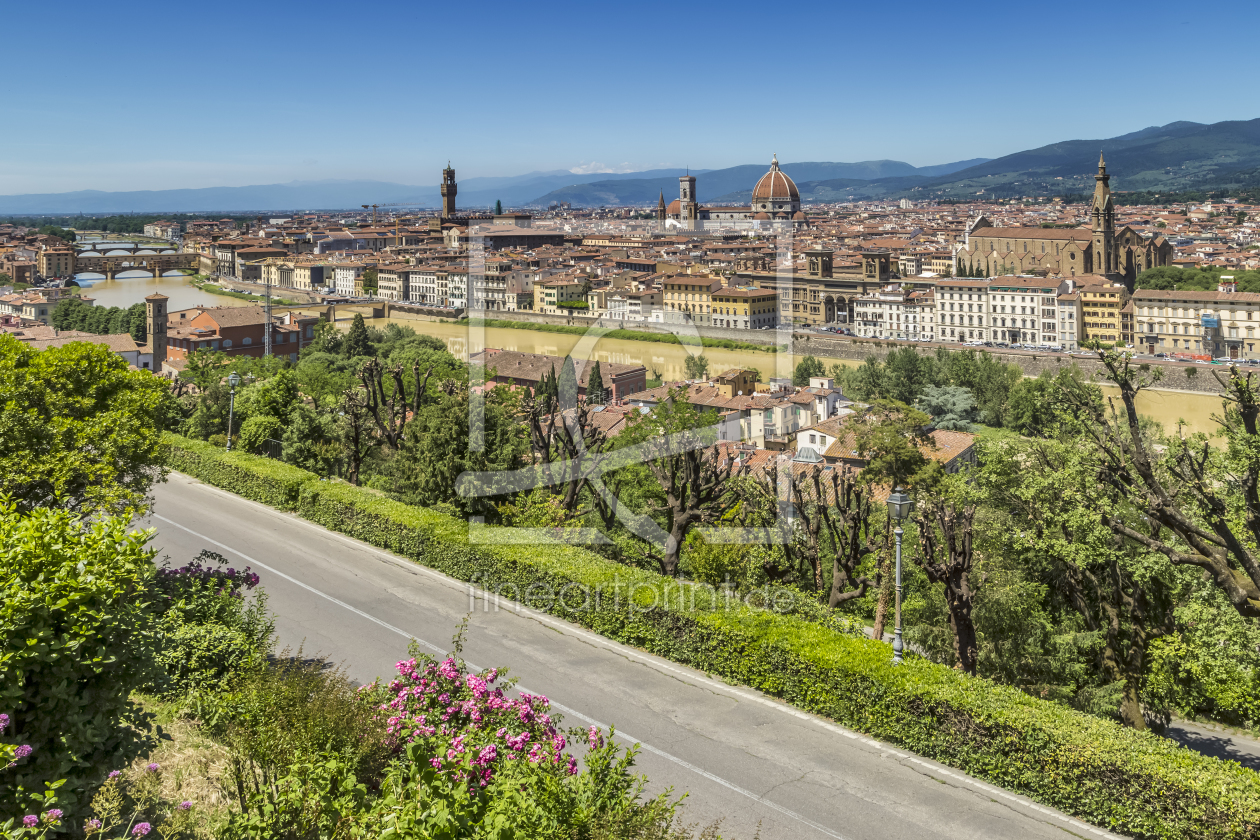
141	829
185	805
30	821
4	722
436	762
153	768
114	774
572	768
23	751
593	738
93	823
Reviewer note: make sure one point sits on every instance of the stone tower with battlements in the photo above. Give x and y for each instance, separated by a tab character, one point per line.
449	189
155	322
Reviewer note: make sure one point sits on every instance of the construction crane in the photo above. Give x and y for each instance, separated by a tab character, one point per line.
373	206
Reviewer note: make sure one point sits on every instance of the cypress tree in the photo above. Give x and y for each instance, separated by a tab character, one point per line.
498	208
357	343
595	387
567	386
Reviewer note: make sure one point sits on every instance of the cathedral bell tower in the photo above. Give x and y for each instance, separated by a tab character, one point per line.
1103	215
449	189
687	210
660	210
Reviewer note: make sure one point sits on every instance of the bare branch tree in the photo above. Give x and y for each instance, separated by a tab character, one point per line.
389	412
946	556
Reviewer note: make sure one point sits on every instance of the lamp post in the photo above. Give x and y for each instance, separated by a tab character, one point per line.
233	380
900	506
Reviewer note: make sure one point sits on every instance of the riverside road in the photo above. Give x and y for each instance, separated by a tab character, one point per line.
743	758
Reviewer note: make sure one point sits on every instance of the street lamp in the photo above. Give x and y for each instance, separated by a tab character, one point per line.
900	506
234	379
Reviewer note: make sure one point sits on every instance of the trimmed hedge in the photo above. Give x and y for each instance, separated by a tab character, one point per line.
273	483
1126	781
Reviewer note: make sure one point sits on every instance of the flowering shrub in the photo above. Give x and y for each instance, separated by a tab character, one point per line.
464	725
208	629
131	804
76	639
470	761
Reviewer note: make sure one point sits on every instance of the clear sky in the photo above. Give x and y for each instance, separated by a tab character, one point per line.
149	95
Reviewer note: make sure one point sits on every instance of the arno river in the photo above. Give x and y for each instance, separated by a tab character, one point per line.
1165	406
667	359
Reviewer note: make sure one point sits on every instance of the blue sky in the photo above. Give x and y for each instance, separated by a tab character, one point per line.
148	95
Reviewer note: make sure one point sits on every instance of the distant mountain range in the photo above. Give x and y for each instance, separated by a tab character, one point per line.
734	185
1177	156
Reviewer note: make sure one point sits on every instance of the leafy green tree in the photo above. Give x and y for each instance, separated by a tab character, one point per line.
951	407
80	430
907	375
890	437
806	368
439	446
595	386
357	342
696	367
257	430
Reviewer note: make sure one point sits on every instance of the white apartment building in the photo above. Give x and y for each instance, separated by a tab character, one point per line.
348	279
1025	310
456	291
1223	323
962	310
896	312
423	287
1070	321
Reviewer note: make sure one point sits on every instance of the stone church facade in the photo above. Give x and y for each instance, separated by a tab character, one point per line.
1101	249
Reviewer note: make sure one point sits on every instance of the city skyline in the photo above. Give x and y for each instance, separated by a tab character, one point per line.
389	97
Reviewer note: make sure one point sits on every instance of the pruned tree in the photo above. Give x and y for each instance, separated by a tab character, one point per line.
389	408
834	515
567	446
946	556
676	441
1203	510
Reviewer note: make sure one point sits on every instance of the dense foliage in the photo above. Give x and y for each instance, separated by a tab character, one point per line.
1202	279
75	314
1119	778
78	430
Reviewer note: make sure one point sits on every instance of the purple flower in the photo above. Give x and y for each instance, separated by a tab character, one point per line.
52	814
4	722
141	829
30	821
114	774
153	768
23	751
185	805
93	823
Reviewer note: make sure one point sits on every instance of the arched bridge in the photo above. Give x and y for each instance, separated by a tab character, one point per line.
91	250
155	264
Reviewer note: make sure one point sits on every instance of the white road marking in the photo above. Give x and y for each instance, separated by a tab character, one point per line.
564	709
655	662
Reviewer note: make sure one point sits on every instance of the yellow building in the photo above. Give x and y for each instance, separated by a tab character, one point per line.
550	293
56	262
745	308
688	298
1100	313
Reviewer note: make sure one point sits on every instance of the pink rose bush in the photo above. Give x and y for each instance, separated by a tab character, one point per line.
466	727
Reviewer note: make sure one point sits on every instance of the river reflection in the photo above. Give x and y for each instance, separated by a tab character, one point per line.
1167	407
123	291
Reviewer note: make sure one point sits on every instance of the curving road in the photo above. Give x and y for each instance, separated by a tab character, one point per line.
744	758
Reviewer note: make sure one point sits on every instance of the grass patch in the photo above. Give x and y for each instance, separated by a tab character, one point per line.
206	285
628	335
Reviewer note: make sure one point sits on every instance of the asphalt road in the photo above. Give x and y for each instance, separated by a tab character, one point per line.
743	758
